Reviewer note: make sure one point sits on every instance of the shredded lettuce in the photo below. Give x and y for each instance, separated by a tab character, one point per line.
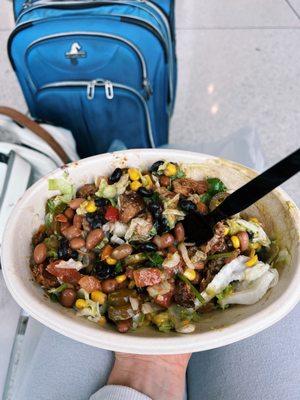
283	258
59	289
253	292
173	216
66	188
139	229
235	271
112	191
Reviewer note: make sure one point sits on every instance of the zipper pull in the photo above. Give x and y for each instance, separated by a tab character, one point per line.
90	90
109	90
148	88
26	4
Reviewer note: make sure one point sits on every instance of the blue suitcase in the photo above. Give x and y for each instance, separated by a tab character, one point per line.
103	69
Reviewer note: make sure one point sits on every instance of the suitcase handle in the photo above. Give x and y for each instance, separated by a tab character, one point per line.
34	127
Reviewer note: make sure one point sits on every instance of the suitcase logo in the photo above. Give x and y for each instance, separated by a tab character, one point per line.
75	52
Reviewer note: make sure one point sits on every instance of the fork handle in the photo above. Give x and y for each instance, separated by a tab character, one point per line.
258	187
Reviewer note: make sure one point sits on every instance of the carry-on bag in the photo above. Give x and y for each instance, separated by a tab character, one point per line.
103	69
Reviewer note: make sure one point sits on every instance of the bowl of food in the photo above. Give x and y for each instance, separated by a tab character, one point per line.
97	251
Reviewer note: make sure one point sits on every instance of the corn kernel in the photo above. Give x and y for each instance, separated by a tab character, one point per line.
255	246
80	303
147	182
254	219
111	261
252	253
235	241
252	261
102	320
121	278
226	230
170	170
135	185
91	206
190	274
134	174
98	297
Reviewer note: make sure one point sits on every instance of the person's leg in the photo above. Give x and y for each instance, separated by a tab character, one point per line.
265	366
61	368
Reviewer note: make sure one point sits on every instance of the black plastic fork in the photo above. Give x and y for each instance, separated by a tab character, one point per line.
199	228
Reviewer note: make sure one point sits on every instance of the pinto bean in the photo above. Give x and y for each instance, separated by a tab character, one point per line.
90	283
71	232
64	225
77	243
121	251
179	232
93	238
109	285
164	181
67	298
40	253
106	252
244	240
75	203
69	213
124	326
77	221
164	241
61	218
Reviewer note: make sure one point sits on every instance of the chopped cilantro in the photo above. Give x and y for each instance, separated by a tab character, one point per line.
118	267
155	259
215	185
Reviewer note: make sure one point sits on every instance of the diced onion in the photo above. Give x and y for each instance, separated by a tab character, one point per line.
184	253
70	264
186	328
134	303
171	261
147	308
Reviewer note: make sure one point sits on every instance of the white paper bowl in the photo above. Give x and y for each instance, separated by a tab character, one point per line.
277	211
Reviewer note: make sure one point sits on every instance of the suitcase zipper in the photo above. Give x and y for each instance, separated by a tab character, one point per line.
145	82
109	93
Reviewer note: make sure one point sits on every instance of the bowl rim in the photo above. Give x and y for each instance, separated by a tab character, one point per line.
139	344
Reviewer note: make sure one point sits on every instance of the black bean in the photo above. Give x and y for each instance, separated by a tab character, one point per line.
74	254
154	167
104	271
187	205
142	291
63	249
115	176
161	225
156	208
101	202
145	192
96	219
144	247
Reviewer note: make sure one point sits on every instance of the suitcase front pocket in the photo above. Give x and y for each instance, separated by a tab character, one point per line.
82	56
107	111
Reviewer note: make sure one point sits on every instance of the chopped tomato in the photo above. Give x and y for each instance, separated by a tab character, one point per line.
66	275
112	214
164	300
147	277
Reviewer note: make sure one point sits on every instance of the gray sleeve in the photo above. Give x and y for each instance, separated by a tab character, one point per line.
117	392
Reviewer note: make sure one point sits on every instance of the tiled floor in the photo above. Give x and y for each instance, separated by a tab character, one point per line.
238	66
